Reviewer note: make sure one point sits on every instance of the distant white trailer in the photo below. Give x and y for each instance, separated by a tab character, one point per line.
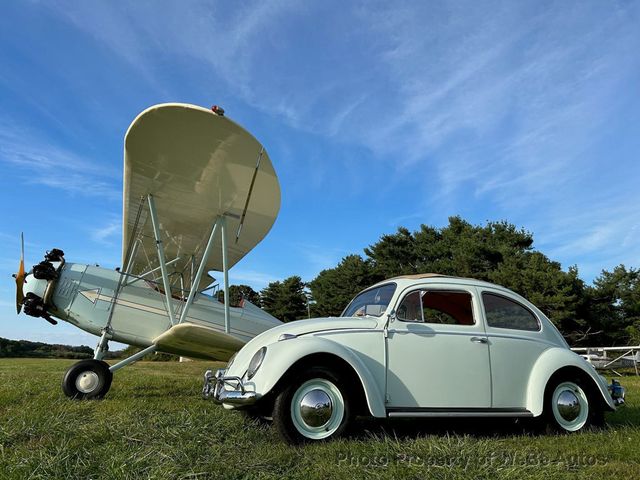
610	358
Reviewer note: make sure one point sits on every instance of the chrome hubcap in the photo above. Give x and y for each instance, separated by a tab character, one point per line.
570	406
87	382
316	408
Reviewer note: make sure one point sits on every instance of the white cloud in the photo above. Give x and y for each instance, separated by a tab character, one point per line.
106	232
605	233
256	280
38	161
498	105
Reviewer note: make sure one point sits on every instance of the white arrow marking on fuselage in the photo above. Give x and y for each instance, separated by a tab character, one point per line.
94	295
91	295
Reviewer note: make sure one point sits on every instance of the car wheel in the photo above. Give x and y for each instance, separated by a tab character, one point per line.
315	407
569	407
87	379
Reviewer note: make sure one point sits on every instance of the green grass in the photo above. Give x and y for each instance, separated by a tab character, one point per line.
154	424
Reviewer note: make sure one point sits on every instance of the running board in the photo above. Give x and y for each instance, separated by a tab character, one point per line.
459	412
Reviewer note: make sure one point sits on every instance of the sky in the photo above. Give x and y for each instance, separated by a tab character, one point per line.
375	115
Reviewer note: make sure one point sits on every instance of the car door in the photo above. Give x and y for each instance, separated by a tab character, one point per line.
437	350
516	341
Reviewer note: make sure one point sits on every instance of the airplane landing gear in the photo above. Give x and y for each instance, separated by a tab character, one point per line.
87	379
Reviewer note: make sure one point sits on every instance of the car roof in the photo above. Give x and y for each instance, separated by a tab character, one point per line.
408	279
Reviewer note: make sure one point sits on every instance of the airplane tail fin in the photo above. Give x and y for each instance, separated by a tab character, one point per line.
249	307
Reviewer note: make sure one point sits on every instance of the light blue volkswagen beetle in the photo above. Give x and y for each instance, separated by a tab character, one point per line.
415	346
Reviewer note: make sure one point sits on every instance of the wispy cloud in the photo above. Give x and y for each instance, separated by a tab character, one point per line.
255	279
599	237
418	75
35	160
318	257
494	104
106	233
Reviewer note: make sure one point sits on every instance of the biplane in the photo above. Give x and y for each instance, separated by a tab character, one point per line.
199	193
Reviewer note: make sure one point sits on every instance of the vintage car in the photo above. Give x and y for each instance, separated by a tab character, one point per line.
415	346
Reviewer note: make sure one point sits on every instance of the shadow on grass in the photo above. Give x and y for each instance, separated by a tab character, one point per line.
410	428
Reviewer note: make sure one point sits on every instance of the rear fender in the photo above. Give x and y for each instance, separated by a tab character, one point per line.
551	361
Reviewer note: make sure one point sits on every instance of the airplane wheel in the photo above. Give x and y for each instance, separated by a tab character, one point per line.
87	379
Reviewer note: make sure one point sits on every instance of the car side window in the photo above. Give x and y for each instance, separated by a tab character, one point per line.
410	310
502	312
437	306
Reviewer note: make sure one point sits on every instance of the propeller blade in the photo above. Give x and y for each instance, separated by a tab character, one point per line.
20	277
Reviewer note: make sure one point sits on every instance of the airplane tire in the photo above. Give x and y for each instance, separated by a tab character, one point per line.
87	380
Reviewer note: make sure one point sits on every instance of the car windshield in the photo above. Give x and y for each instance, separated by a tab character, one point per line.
372	302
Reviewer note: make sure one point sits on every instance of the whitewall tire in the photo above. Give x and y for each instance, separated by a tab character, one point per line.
315	407
569	407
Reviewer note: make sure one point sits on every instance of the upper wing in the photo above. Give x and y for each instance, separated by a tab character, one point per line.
198	166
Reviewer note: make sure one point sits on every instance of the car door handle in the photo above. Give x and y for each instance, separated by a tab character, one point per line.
479	339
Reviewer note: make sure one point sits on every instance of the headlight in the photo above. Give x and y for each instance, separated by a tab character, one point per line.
255	362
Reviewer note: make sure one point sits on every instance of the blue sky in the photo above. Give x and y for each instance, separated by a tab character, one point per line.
375	115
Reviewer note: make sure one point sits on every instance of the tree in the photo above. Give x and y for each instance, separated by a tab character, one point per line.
615	305
558	294
394	254
467	250
238	292
334	288
285	300
25	348
497	252
459	249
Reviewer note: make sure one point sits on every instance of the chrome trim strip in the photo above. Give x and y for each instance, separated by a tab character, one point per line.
460	414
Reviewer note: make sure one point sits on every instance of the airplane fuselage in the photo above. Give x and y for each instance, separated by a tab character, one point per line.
89	297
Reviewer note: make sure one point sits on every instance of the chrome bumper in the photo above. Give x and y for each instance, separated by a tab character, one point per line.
214	389
617	392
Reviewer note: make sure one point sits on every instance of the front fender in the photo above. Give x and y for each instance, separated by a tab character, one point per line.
281	356
552	360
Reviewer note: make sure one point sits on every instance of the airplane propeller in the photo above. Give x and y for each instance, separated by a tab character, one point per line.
20	276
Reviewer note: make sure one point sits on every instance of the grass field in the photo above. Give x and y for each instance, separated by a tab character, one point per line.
154	424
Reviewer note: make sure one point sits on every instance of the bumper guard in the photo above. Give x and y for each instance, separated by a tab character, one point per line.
214	389
617	392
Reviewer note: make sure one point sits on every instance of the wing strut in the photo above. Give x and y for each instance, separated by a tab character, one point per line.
246	203
134	243
225	273
200	272
146	274
163	264
221	224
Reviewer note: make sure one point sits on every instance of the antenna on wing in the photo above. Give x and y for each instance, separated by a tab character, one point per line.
246	204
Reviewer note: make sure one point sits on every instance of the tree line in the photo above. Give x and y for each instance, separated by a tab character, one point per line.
24	348
604	313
